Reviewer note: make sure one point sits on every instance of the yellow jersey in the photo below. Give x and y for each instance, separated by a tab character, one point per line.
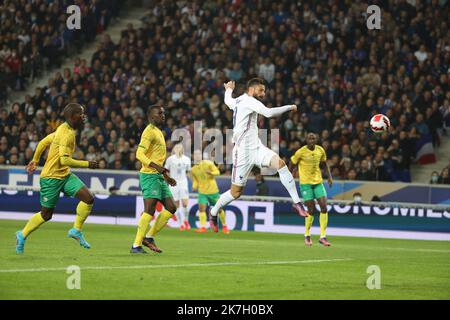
152	148
203	175
309	164
62	144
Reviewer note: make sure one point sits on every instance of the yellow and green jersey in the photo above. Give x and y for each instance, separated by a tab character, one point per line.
152	148
62	144
203	175
309	164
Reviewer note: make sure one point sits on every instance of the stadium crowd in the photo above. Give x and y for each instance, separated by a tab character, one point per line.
441	178
318	55
34	36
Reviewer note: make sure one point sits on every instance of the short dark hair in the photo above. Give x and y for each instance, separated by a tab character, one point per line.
255	81
152	108
71	109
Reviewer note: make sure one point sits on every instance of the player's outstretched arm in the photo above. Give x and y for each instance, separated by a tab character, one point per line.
229	100
271	112
67	160
42	145
65	148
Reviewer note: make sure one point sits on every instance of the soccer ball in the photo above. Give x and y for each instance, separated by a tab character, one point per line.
379	123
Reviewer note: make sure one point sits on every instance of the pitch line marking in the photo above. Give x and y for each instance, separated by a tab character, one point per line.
419	250
338	245
395	249
218	264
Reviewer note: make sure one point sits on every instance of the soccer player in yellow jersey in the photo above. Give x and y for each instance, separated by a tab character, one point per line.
310	159
56	177
203	179
154	180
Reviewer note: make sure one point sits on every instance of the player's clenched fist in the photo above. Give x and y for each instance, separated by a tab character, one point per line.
93	164
172	182
229	85
294	107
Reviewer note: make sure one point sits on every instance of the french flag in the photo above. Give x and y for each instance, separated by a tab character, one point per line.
425	151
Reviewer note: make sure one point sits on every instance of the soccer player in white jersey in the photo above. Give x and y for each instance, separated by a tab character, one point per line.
178	164
248	150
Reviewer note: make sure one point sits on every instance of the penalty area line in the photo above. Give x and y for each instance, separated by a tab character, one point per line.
196	265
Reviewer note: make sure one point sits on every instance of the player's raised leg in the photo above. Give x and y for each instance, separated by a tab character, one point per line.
84	208
225	198
288	182
242	166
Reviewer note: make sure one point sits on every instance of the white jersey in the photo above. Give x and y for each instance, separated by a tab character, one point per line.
245	116
178	166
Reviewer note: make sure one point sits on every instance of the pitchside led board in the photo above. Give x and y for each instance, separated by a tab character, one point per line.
260	216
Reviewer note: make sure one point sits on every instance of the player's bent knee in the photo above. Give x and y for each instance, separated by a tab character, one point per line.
46	215
277	163
172	210
90	200
236	194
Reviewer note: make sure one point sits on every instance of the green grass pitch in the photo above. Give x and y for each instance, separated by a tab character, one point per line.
241	265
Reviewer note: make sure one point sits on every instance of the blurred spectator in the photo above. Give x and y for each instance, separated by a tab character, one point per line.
434	177
262	189
357	198
444	177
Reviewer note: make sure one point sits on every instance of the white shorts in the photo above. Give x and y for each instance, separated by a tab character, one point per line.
179	192
245	159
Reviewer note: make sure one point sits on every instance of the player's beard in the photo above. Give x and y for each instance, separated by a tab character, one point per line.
260	98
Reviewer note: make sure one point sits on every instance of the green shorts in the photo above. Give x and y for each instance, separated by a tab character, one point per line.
154	186
51	187
210	199
312	191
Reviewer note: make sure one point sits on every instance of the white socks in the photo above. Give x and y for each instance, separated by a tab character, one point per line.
225	198
288	182
184	213
180	216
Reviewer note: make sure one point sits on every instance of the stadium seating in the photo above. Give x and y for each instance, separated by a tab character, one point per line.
321	57
34	36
